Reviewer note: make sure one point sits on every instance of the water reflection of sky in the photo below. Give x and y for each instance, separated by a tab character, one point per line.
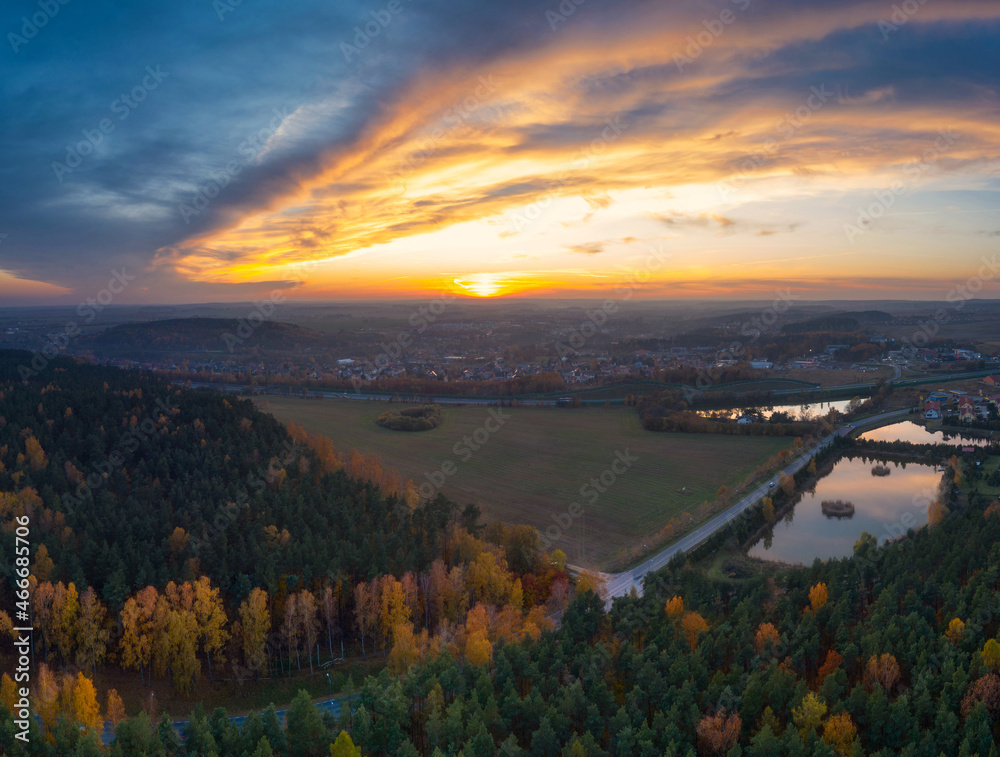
797	412
884	506
908	431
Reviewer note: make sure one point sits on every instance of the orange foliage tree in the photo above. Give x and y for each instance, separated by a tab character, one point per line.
839	732
766	637
718	733
830	664
693	624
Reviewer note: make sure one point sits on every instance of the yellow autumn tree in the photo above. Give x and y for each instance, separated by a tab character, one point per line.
405	652
839	732
46	699
115	710
65	610
8	693
991	654
92	636
344	746
809	714
693	624
817	596
675	608
935	513
43	563
84	708
255	625
955	630
36	455
136	645
308	619
590	580
768	509
210	616
478	649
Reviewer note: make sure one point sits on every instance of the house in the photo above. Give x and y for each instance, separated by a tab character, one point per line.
932	409
761	365
966	409
992	380
938	396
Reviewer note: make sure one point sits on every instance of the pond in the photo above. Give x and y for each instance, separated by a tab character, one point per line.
797	412
884	506
908	431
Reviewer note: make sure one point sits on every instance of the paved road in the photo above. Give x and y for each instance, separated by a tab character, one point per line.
620	584
326	705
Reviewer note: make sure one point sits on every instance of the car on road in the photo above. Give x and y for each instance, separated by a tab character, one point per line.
770	485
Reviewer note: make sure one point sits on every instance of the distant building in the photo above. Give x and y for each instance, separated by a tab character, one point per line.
992	380
761	365
932	409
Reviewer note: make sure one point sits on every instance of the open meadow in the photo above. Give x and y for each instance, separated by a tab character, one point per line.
531	468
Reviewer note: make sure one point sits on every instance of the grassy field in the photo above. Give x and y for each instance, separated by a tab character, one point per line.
531	468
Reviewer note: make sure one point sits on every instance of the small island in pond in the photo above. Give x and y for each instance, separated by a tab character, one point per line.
837	508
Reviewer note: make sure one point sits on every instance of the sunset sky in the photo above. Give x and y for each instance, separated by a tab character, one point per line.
220	150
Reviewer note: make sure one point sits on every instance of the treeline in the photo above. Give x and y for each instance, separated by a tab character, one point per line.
667	411
466	600
892	651
129	482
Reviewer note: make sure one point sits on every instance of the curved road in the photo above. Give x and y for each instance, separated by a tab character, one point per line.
620	584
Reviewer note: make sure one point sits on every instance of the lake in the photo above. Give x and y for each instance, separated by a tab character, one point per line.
908	431
884	506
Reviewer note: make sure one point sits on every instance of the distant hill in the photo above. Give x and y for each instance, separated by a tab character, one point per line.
844	322
189	335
